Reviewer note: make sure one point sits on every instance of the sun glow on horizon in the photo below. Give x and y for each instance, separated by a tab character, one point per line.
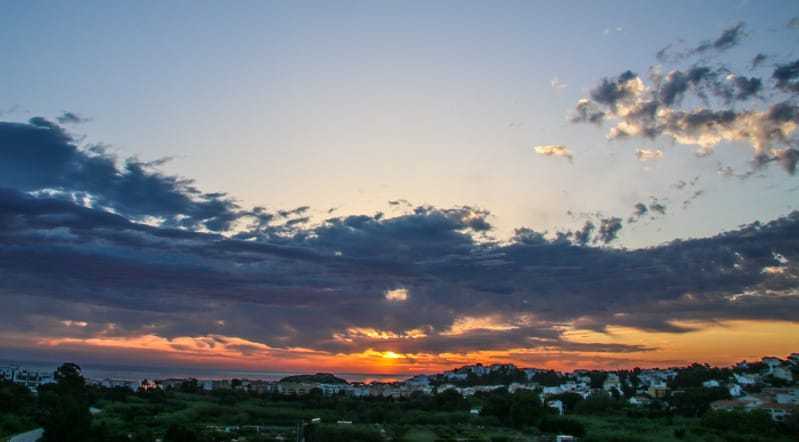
721	343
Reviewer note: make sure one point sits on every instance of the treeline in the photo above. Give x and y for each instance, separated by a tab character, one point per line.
186	412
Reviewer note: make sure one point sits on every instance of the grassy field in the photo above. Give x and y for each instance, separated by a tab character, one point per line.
464	433
203	412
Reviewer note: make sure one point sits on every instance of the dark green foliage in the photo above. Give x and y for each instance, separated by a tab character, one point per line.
748	422
63	408
526	409
497	404
693	376
569	400
64	417
15	398
548	378
694	402
449	400
118	394
180	433
69	379
190	386
597	378
519	410
562	425
341	433
599	403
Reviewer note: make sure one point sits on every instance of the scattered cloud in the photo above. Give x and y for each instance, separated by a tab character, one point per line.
648	154
729	38
724	106
71	118
554	150
557	84
397	295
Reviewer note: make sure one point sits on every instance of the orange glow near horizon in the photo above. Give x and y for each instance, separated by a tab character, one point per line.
721	343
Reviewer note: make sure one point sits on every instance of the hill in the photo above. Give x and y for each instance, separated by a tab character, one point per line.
322	378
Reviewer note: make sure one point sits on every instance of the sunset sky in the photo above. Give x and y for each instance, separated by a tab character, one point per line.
399	187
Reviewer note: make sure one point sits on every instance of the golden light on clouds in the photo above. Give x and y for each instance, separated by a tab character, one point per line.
465	324
718	343
397	295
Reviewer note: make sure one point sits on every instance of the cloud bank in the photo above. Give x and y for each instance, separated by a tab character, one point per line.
97	251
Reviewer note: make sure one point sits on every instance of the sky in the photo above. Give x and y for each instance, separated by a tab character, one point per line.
399	188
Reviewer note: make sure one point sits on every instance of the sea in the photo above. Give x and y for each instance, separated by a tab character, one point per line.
133	373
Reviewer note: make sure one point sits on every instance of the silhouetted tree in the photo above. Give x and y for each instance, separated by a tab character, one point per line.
63	408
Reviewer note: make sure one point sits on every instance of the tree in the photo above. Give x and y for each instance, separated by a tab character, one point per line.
64	417
600	403
569	400
69	378
497	404
63	408
597	378
450	400
694	402
525	412
548	378
190	386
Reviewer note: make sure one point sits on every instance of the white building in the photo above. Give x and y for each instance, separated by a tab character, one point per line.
782	373
743	379
556	405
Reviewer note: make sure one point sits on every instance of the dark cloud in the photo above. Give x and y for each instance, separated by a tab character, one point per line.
608	230
61	261
71	118
658	208
612	90
694	196
676	83
639	210
787	76
299	211
40	155
758	60
583	236
729	38
746	88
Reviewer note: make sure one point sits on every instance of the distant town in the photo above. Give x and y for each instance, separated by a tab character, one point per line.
768	385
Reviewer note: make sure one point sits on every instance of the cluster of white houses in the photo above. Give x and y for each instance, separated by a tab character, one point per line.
29	378
642	386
